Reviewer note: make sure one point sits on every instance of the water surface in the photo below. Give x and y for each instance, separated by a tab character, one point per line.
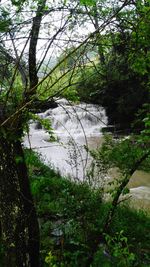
75	127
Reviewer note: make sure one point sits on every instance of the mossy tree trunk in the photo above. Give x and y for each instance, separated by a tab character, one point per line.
19	225
11	208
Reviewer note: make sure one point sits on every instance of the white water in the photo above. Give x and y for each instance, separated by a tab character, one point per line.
76	126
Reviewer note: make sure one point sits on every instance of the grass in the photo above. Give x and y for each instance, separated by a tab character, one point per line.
71	219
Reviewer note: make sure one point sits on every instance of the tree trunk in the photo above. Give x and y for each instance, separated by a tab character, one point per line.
11	208
120	189
114	204
30	211
20	232
19	224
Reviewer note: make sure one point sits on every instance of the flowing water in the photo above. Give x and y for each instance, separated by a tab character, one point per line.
74	126
77	126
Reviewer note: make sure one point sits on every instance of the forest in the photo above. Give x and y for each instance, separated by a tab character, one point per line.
82	64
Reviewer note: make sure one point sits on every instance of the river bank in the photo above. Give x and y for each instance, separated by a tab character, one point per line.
77	126
72	216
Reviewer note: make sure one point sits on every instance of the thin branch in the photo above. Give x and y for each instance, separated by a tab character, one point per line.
34	74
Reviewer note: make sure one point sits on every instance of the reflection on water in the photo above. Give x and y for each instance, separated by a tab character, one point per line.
77	126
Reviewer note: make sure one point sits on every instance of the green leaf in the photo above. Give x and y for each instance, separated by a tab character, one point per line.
88	2
3	26
126	191
18	3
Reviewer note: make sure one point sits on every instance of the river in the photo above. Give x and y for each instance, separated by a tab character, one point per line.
77	126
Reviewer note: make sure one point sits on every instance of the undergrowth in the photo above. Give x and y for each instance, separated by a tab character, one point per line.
71	217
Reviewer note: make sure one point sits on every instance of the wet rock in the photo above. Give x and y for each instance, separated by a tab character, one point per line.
41	106
38	126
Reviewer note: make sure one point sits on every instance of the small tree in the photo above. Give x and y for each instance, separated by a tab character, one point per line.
20	89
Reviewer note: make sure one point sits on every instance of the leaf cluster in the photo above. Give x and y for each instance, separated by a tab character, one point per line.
78	214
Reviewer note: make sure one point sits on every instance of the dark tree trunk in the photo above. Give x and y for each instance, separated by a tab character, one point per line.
33	75
29	208
19	224
11	209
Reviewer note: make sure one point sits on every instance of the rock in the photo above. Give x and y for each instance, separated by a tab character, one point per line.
41	106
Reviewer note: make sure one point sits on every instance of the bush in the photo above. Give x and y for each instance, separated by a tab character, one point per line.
72	217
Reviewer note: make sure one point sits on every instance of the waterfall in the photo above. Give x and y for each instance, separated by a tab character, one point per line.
74	120
75	125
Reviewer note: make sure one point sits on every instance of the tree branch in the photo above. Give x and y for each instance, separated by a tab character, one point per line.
33	45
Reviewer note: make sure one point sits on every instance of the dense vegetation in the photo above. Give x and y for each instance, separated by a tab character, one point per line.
120	81
109	66
71	217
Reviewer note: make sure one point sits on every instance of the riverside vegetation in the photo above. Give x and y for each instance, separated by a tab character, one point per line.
77	227
72	219
72	216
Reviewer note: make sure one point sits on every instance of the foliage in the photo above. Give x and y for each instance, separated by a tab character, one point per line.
72	205
123	61
115	87
50	260
122	80
5	20
90	83
120	153
118	246
60	84
140	54
45	123
72	217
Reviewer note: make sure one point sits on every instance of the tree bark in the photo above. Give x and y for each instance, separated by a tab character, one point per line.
29	208
19	224
33	77
114	204
11	209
